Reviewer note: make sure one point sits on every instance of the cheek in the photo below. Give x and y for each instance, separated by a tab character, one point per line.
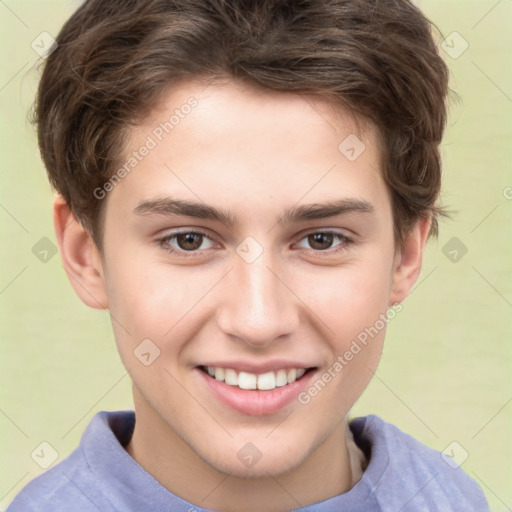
355	313
351	303
347	299
156	301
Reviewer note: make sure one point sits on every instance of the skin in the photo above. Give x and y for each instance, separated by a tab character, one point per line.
253	154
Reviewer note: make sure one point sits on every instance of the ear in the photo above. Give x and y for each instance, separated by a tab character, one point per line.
408	260
80	256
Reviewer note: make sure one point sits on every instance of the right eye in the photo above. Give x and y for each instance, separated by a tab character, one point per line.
185	243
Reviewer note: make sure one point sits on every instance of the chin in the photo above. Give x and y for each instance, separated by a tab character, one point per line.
269	468
252	463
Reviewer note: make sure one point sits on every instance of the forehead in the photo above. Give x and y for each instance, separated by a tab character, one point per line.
222	103
231	142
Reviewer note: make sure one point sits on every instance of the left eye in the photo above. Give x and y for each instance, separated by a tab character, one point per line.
323	240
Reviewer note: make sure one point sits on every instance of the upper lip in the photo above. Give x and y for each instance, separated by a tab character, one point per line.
258	368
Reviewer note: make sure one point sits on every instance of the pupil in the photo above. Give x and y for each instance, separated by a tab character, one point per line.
189	241
317	239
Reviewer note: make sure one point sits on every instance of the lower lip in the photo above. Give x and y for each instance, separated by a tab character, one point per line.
256	402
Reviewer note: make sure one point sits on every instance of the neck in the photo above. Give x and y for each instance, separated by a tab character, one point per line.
332	469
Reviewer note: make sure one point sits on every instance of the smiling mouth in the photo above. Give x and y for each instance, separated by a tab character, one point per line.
252	381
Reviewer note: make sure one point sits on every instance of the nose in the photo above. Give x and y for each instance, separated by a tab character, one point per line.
258	306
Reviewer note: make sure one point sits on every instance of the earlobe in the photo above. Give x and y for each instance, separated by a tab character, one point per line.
408	261
80	256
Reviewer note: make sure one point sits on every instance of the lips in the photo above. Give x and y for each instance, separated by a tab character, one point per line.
255	392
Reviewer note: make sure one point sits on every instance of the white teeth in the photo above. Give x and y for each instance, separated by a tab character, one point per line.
281	379
231	377
267	381
264	381
247	380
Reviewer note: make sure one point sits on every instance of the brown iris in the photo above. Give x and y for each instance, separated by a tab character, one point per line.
189	241
318	240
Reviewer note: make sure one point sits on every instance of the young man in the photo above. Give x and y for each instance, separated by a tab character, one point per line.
248	188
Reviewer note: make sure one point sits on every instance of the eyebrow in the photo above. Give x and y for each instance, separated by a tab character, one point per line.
303	212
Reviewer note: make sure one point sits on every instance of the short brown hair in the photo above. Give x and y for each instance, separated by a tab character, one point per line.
116	58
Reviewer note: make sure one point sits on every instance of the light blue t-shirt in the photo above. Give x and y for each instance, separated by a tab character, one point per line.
402	475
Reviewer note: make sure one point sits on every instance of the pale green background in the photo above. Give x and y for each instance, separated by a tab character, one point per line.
446	369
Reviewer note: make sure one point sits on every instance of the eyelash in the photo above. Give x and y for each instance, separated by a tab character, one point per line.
346	242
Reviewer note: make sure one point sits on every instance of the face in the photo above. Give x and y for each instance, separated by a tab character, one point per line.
246	246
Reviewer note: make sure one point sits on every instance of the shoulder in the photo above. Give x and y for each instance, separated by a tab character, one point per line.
72	484
66	486
404	474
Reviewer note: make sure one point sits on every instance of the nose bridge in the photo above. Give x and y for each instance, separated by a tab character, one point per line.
258	307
